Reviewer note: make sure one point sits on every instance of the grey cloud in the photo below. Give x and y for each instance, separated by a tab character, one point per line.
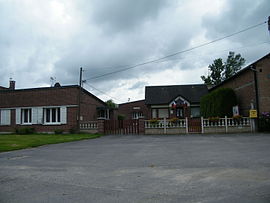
118	15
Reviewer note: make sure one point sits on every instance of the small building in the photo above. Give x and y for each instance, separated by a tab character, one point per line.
48	108
174	101
251	86
133	110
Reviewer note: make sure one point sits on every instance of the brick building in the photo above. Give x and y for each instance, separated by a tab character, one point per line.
47	109
252	86
134	110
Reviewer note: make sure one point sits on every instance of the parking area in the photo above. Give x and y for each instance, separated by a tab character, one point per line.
193	168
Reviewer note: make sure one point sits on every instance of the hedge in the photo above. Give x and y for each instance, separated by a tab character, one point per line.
218	103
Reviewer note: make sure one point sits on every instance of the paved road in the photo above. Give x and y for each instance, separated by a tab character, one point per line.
234	168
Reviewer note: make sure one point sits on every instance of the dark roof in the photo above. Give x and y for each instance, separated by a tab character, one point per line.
131	102
3	88
240	72
166	94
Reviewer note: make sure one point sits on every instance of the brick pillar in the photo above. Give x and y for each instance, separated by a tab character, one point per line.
141	127
101	126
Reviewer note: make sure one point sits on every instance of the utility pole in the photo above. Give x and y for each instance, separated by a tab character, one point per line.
79	101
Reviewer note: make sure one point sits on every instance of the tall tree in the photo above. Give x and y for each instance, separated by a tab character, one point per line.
233	65
216	69
220	71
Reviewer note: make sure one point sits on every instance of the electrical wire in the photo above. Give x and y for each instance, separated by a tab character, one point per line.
91	86
179	52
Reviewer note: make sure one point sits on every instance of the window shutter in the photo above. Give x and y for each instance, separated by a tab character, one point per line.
18	116
5	117
34	115
39	115
63	115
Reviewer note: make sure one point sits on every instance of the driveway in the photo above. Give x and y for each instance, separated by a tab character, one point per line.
193	168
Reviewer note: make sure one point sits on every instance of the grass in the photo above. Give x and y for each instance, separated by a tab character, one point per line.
15	142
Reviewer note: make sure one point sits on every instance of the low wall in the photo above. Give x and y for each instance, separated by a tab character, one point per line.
169	131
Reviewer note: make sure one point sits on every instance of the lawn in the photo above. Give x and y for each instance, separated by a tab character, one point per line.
14	142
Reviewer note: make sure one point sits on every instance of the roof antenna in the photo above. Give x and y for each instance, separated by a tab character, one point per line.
52	80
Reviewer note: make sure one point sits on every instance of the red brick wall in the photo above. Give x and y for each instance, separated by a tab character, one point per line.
128	108
244	87
263	78
50	97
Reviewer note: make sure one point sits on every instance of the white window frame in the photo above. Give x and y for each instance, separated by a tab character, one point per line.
25	111
50	119
137	115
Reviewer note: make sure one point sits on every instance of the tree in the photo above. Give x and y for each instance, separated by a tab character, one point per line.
233	65
220	71
111	104
216	70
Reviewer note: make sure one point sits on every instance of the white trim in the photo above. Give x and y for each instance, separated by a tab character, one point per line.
179	97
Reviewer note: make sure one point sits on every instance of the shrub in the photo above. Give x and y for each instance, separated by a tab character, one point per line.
120	117
218	103
58	131
25	131
174	120
264	122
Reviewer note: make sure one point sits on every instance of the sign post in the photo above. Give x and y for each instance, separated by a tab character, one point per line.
253	114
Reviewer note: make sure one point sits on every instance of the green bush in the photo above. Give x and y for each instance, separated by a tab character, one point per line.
120	117
218	103
58	131
25	131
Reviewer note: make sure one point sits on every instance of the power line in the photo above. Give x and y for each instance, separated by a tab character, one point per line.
91	86
225	50
179	52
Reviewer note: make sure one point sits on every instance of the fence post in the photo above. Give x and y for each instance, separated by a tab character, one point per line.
186	125
226	124
141	126
101	126
202	124
165	126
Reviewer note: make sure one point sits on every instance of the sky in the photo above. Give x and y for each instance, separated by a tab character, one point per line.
44	39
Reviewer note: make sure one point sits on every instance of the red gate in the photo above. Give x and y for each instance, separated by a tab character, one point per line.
194	125
121	127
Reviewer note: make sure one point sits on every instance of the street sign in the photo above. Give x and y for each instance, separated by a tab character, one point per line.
253	113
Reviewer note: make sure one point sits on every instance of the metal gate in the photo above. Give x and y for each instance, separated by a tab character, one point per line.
121	127
194	125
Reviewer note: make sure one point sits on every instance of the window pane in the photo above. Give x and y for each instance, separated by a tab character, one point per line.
163	113
53	115
47	115
58	115
154	113
195	111
25	115
30	115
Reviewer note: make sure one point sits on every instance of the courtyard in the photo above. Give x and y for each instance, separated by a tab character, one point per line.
137	168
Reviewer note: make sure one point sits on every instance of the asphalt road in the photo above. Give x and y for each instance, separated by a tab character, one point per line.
193	168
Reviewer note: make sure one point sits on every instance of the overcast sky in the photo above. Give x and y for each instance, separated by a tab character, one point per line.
40	39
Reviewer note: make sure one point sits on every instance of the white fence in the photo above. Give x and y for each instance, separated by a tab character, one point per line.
219	125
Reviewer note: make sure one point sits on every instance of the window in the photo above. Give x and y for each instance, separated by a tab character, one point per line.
179	113
52	115
195	112
163	113
154	113
136	115
5	117
26	116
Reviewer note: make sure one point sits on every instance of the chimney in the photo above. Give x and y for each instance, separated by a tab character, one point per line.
11	84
